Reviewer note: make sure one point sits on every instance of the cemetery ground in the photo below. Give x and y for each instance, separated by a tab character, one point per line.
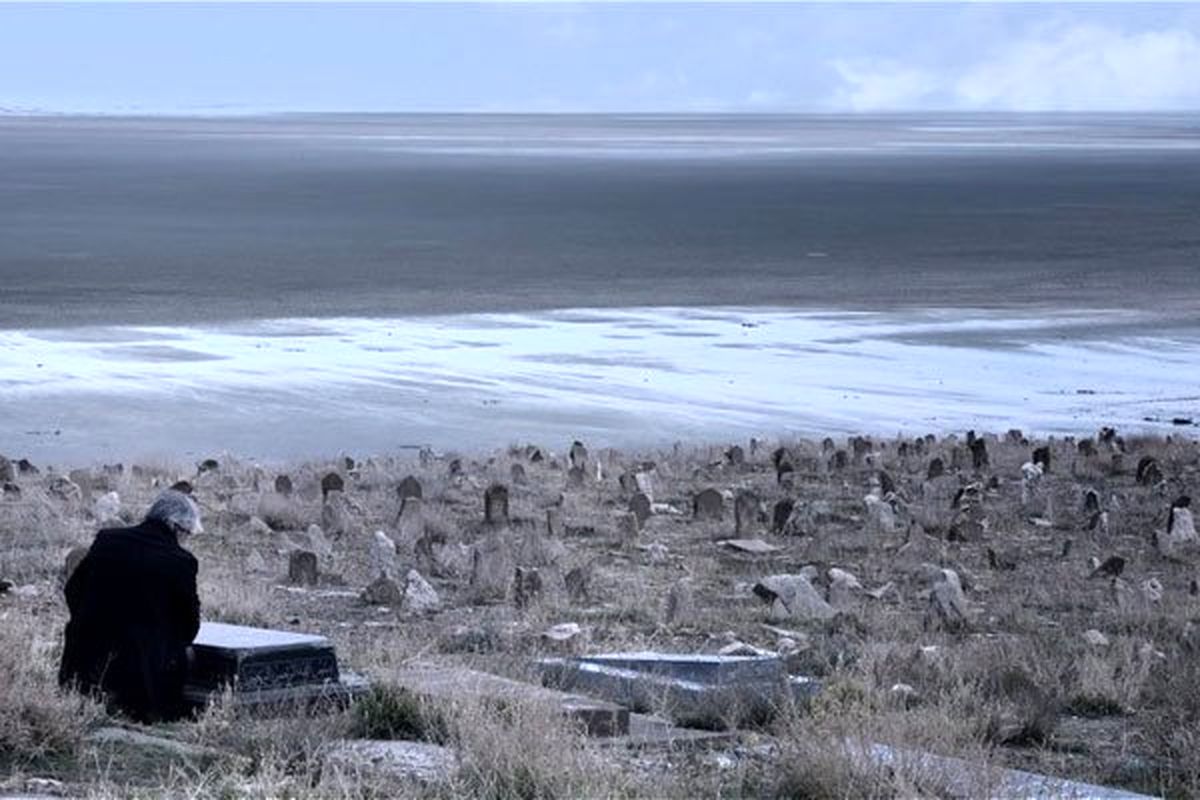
977	614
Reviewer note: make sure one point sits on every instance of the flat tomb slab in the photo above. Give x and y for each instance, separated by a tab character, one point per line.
264	667
699	667
598	717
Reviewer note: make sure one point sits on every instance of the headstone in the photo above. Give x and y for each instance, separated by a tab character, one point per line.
455	467
1041	457
408	488
708	505
495	505
208	465
7	473
554	526
780	514
735	456
936	469
492	569
302	568
26	468
419	596
681	604
948	607
183	486
337	519
745	512
383	554
970	521
979	454
881	517
283	485
578	455
516	473
844	588
65	489
410	524
628	482
792	597
576	477
332	482
578	584
527	586
886	484
265	668
1148	472
645	483
318	542
1086	448
11	491
628	529
1091	502
1181	527
840	461
640	506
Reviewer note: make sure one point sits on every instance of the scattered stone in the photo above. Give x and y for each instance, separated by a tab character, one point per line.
567	637
708	505
1095	638
283	485
302	568
418	763
881	517
784	463
754	547
844	588
495	504
107	507
887	485
492	569
887	591
745	512
65	489
792	597
332	482
419	596
1112	567
382	591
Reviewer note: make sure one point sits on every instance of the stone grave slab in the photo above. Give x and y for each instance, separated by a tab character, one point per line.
265	668
692	689
598	717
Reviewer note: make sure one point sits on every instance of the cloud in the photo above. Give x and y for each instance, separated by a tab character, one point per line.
882	85
1082	67
1087	67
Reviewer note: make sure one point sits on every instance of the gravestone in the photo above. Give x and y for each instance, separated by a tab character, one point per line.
410	524
840	461
409	487
302	568
779	515
516	474
578	455
7	473
578	584
735	456
628	482
745	512
712	691
492	568
265	668
283	485
576	476
554	524
708	504
937	468
332	482
495	505
527	586
1041	457
639	506
25	467
1148	472
979	453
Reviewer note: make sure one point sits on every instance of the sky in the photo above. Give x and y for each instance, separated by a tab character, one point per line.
604	57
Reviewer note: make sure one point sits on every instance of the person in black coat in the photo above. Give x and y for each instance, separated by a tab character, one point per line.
134	612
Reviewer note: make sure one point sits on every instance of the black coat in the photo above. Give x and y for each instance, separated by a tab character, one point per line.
134	610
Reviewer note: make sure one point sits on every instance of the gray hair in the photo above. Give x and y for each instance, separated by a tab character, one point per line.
178	511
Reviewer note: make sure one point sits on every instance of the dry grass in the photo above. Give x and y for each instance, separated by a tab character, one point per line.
1019	687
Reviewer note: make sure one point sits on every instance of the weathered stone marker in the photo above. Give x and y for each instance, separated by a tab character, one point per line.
283	485
495	504
302	568
409	487
332	482
639	505
745	512
578	455
265	668
708	504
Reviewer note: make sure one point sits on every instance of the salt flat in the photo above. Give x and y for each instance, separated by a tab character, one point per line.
295	387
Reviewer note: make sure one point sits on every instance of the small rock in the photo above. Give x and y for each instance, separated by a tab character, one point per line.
255	562
754	547
792	597
567	637
382	591
417	763
107	507
1152	590
948	607
1095	638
